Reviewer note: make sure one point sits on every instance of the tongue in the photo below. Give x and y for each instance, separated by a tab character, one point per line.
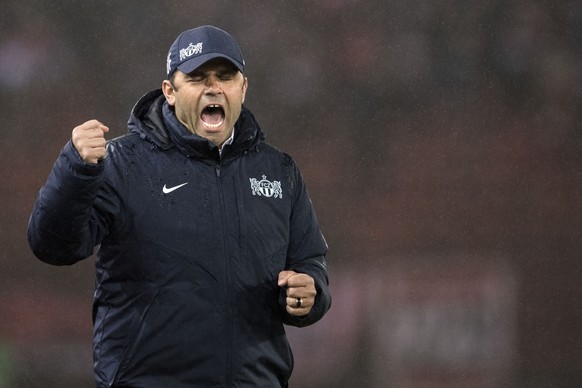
211	116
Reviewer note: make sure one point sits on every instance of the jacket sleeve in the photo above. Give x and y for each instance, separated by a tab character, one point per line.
65	224
306	253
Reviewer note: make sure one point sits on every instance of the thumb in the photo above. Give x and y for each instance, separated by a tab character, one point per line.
284	276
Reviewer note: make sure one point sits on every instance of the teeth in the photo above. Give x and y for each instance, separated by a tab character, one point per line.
217	125
212	126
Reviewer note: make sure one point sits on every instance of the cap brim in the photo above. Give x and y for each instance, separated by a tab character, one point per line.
194	63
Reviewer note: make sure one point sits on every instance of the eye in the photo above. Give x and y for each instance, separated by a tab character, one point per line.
226	76
196	78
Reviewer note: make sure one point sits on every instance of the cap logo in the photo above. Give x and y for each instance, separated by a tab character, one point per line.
168	63
192	49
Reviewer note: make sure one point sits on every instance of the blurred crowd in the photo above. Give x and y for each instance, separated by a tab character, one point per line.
431	135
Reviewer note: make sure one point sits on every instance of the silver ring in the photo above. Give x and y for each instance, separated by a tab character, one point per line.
298	303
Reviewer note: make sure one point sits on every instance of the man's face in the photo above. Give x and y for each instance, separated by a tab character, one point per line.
208	101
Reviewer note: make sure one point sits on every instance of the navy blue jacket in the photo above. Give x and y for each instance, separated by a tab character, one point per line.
186	279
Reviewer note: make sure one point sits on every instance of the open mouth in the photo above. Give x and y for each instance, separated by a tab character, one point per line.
212	116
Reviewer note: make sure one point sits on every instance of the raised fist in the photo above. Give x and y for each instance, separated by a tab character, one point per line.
89	140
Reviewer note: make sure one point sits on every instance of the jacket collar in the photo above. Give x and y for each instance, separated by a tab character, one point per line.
153	119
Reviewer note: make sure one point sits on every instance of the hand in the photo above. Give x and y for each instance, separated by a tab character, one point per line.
299	285
89	140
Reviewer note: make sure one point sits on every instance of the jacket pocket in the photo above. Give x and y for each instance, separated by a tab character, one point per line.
101	365
128	352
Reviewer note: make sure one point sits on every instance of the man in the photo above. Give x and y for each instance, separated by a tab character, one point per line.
206	239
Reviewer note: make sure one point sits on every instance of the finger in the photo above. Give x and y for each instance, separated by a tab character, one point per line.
92	141
91	128
93	144
93	132
292	302
284	277
81	136
298	311
91	149
94	124
94	156
301	292
300	280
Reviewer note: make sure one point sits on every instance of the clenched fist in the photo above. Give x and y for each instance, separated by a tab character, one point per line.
89	140
300	291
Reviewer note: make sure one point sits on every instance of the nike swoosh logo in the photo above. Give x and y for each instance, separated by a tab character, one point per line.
167	190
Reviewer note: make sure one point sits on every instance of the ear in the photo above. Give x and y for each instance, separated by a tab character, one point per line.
244	89
168	91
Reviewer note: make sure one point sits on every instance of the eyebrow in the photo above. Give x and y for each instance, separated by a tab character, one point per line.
220	69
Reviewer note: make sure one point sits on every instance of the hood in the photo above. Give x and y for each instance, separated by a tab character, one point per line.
146	119
152	119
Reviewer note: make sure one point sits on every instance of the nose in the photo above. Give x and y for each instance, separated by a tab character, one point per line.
213	85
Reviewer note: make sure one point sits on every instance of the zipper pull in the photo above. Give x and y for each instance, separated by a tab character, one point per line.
217	168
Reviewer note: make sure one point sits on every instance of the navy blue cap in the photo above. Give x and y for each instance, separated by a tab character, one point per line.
194	47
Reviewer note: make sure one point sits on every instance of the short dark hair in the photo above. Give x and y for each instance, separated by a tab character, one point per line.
171	78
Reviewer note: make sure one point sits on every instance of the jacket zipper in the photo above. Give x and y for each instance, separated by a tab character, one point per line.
226	251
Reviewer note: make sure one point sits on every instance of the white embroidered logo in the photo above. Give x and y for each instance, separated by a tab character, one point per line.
167	190
191	50
266	188
168	63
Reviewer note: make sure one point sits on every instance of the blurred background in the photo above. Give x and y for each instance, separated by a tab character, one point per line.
441	143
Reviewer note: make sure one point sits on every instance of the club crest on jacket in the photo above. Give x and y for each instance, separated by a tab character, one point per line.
266	188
